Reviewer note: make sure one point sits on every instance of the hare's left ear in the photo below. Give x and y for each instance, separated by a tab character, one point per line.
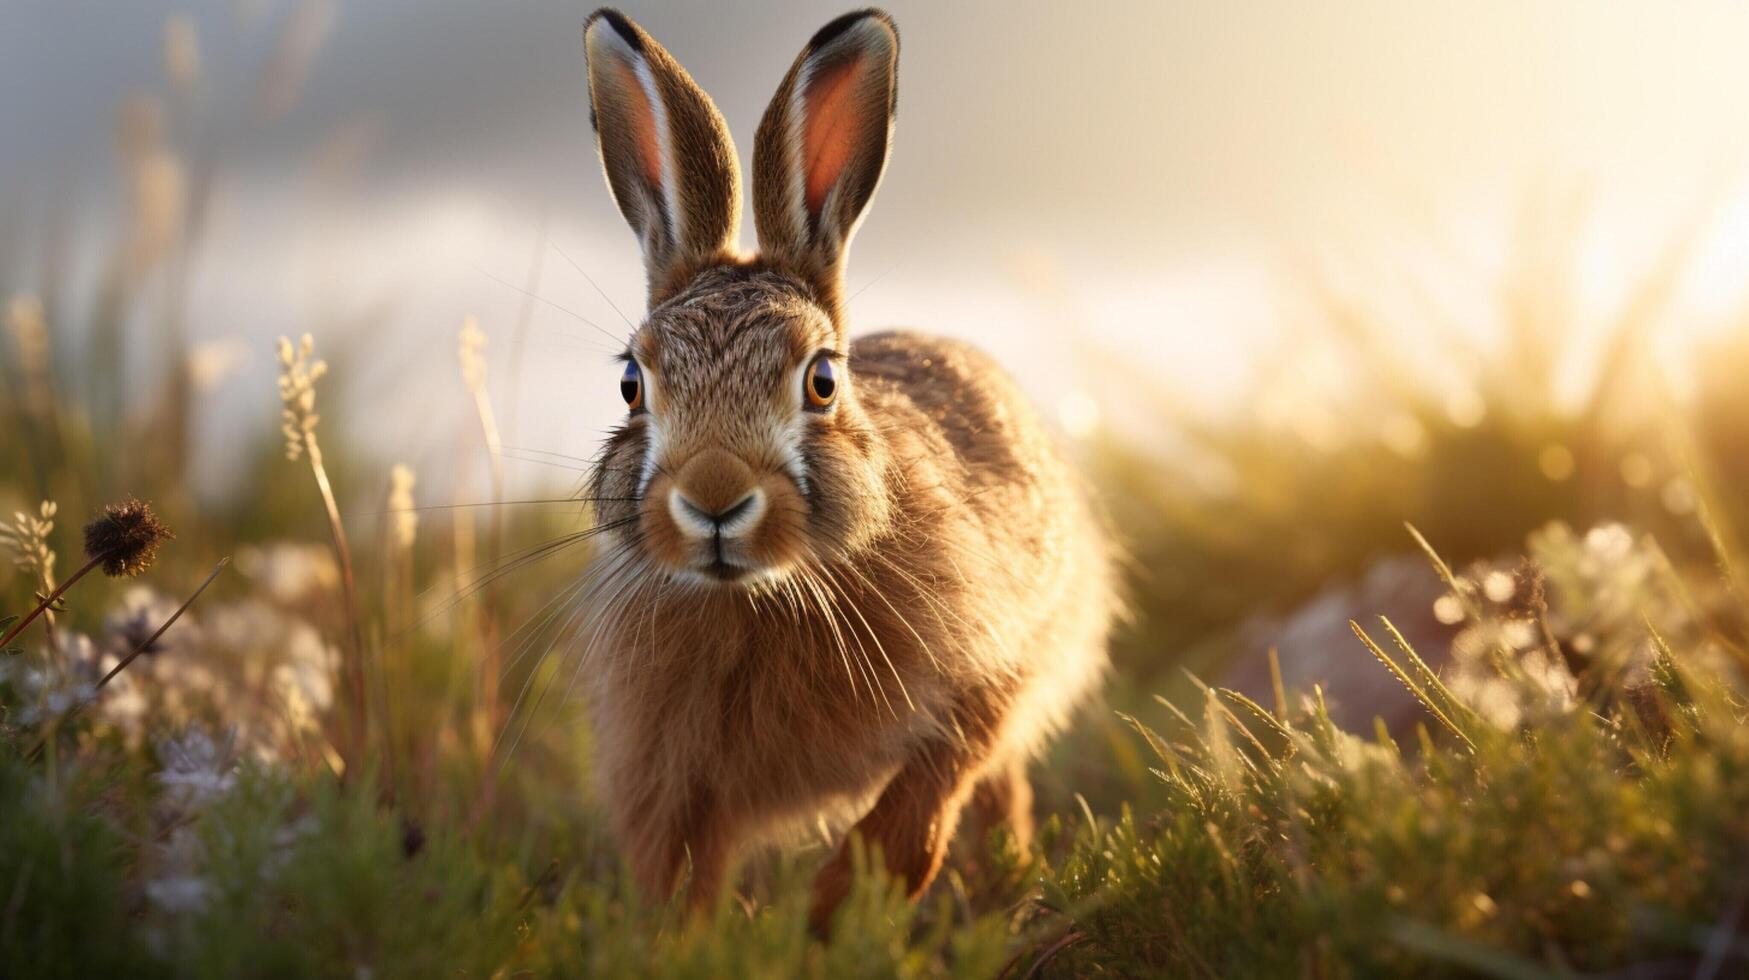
822	146
667	153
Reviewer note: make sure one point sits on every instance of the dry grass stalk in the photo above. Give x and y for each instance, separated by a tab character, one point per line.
472	355
299	373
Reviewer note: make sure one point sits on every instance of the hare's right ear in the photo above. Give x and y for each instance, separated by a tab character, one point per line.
822	146
667	154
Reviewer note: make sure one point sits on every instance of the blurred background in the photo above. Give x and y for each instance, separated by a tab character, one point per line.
1153	188
1283	277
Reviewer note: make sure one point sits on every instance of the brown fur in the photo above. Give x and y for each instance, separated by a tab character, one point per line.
923	599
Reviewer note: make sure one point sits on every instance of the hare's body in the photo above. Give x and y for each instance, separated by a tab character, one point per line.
975	625
848	579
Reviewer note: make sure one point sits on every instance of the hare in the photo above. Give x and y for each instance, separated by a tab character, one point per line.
839	577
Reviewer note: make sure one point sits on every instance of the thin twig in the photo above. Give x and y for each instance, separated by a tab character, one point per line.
55	726
143	647
61	590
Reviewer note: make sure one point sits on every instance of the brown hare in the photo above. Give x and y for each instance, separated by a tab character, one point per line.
847	578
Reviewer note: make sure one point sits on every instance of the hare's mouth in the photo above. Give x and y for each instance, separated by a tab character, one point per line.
722	571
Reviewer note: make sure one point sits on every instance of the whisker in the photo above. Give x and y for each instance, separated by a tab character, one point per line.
598	289
877	642
923	594
545	462
513	563
869	586
535	451
617	341
604	572
828	609
865	286
505	503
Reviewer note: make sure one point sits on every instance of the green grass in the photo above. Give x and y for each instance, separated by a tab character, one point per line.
1605	834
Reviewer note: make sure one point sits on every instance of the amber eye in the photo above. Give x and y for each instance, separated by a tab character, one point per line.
631	386
821	385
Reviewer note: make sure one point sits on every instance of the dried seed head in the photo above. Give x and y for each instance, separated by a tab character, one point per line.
298	374
28	539
125	538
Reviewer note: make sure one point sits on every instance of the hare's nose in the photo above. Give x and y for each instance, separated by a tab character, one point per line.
715	495
702	522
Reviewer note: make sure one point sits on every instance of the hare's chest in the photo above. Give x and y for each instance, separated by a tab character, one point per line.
777	720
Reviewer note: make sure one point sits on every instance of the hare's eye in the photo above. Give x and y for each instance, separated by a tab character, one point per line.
821	385
631	386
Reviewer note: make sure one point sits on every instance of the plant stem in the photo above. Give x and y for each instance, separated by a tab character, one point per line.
355	680
142	648
130	658
486	688
19	626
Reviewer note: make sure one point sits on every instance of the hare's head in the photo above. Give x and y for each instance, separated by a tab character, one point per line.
745	451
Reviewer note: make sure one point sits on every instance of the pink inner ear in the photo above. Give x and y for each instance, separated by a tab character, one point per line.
643	122
830	129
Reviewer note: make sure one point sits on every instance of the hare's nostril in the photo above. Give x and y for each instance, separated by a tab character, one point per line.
729	522
736	510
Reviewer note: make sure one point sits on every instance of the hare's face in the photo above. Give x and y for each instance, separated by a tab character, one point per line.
743	454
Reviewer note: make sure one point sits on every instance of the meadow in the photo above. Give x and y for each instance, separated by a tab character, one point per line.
1442	672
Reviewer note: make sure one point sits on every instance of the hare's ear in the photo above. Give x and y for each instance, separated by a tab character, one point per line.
821	148
667	154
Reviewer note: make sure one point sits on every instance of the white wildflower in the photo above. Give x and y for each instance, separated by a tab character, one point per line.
198	769
1499	585
142	611
179	894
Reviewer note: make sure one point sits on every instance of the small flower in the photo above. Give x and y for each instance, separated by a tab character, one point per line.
1520	634
198	770
1609	543
125	538
290	572
179	893
142	611
1498	585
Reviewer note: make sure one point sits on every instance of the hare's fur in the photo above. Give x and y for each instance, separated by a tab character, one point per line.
926	595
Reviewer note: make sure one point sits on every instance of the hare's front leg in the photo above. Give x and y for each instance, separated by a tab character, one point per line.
664	843
1003	798
915	818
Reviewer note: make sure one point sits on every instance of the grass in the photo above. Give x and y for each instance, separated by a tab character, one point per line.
353	755
1592	833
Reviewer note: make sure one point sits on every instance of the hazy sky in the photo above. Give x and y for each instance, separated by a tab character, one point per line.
1067	179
